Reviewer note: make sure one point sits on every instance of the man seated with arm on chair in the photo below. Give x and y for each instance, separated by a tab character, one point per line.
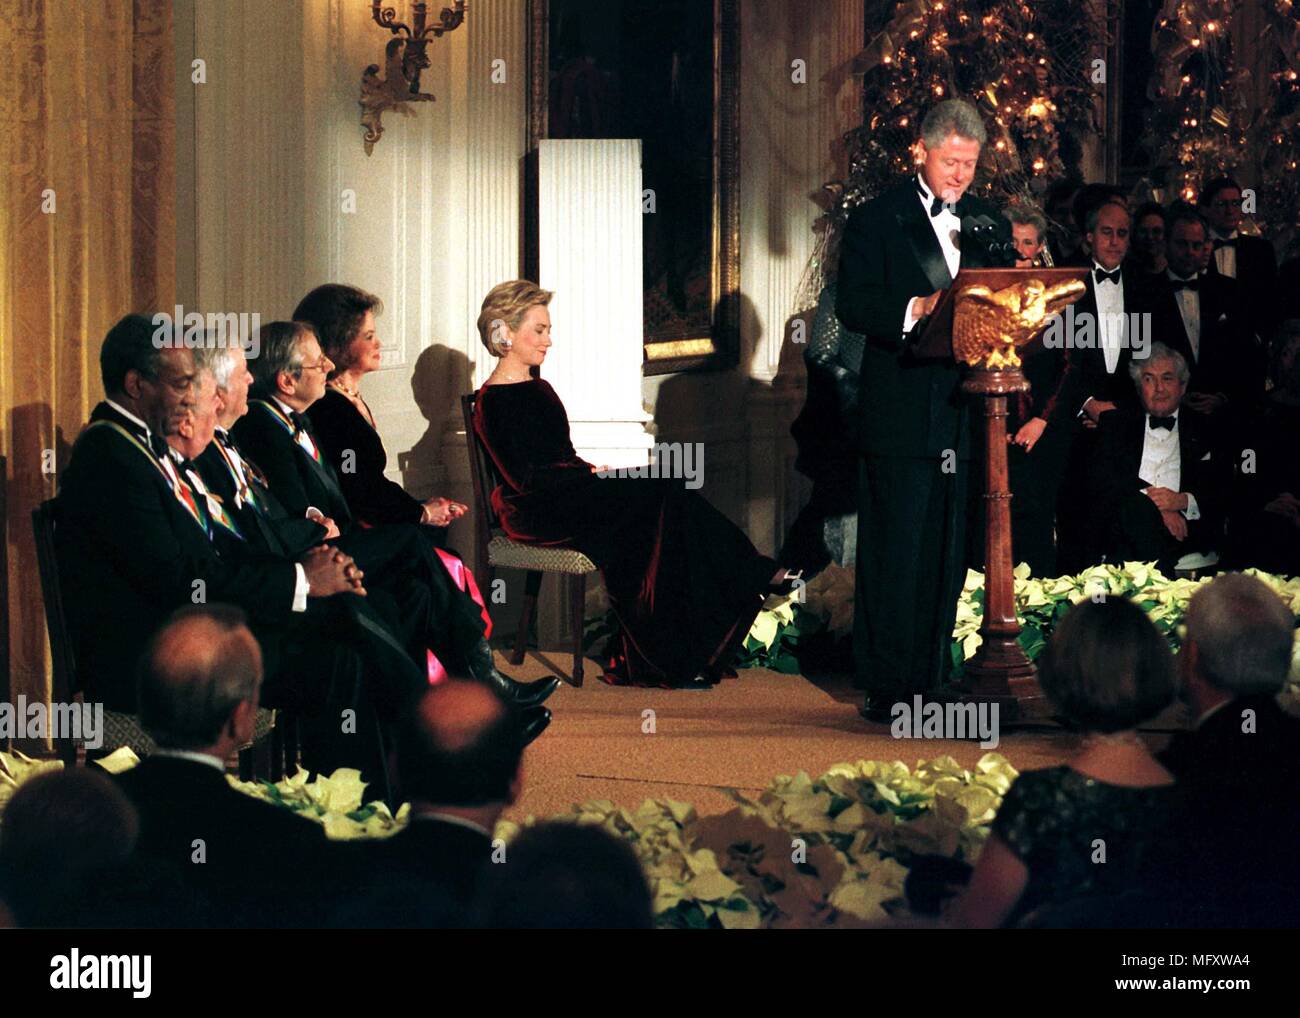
1158	485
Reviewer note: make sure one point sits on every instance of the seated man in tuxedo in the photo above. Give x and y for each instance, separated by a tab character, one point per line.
459	764
1108	327
138	538
1248	260
897	255
1158	485
273	432
1230	855
252	864
1201	315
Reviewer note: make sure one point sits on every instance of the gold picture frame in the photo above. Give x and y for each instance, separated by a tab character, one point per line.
694	347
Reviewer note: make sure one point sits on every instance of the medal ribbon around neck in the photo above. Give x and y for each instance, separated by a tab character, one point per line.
299	435
178	487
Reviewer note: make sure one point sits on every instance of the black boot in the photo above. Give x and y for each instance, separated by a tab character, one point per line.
525	694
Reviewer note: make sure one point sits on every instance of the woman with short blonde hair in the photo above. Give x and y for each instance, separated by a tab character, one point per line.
506	304
684	582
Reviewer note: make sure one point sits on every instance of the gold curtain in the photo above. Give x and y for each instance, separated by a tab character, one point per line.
87	234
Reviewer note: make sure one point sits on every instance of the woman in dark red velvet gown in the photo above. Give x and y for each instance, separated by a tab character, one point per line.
684	581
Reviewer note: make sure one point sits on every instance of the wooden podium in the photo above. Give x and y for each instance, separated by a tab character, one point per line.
966	318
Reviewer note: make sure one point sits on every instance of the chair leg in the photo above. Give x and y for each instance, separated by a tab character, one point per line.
246	764
531	586
577	608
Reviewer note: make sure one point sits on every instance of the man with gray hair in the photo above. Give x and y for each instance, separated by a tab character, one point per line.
251	863
1231	855
1158	485
898	254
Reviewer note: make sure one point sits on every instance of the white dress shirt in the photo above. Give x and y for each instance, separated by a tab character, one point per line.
1162	465
301	588
1189	306
1111	322
129	416
947	230
1225	259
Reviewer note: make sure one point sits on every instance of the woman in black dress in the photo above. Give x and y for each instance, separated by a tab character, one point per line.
683	580
344	320
1076	839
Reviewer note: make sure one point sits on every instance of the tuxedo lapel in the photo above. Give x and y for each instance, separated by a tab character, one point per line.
915	226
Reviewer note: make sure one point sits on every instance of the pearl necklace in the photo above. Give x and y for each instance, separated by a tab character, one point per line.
352	393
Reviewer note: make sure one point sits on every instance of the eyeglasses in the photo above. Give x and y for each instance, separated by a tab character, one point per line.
324	364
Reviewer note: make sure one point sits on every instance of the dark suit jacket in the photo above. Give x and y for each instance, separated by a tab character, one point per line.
1231	852
129	555
430	861
1088	376
889	254
1231	361
1258	278
296	478
262	865
371	496
266	524
1114	470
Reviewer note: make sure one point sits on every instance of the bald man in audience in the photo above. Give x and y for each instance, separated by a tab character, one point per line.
254	864
459	764
1230	858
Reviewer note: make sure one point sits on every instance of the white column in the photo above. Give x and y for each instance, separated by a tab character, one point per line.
589	253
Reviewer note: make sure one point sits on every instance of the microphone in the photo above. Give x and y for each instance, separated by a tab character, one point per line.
993	236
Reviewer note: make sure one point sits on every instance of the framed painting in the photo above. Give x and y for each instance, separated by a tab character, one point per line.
666	72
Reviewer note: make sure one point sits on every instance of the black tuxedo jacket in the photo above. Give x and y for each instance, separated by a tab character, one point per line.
130	554
261	866
889	254
1258	279
1087	374
266	524
1231	360
1116	462
1231	849
296	478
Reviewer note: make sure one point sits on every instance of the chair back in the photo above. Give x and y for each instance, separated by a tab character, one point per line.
45	521
485	476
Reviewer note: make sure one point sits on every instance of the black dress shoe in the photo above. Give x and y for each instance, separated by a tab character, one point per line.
879	709
525	694
533	722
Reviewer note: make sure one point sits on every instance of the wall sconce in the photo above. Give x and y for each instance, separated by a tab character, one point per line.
404	59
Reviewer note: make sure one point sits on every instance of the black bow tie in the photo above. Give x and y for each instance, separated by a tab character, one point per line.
299	422
1101	275
1162	422
223	439
1232	242
1185	284
936	203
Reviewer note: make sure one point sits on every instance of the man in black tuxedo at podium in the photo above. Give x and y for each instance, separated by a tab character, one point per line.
898	252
